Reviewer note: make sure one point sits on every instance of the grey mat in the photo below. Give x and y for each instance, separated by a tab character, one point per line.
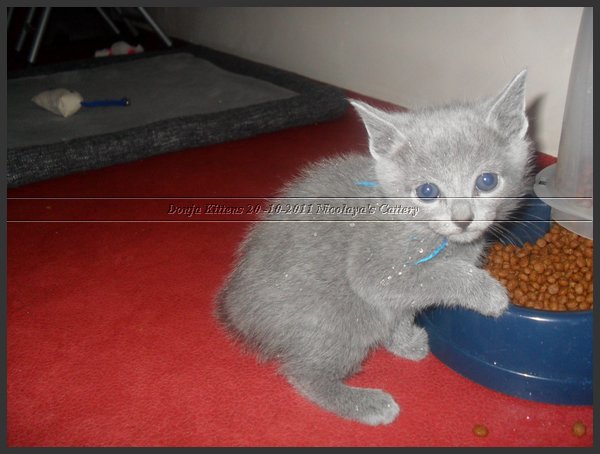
179	99
159	88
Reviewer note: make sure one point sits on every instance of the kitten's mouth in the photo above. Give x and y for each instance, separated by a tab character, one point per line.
466	236
456	234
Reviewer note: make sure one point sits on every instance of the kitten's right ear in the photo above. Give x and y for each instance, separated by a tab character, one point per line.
507	112
384	138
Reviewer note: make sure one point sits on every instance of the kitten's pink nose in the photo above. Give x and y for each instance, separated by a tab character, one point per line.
461	214
463	223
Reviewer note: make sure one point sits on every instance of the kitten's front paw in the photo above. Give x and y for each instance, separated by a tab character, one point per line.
412	344
374	407
494	300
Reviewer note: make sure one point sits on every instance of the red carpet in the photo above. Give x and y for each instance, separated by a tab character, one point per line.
111	339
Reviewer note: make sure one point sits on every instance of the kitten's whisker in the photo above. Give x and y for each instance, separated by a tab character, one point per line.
510	236
496	233
513	215
533	225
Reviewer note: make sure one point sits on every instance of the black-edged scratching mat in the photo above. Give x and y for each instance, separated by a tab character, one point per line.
180	98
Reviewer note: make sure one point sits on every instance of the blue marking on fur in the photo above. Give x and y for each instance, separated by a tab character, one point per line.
440	248
434	253
368	184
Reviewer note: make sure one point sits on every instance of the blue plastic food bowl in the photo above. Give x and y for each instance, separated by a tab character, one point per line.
537	355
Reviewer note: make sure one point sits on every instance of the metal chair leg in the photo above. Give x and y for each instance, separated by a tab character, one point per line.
108	20
155	26
26	28
9	16
39	34
128	23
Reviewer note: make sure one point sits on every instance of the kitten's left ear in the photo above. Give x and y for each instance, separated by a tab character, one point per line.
384	137
507	111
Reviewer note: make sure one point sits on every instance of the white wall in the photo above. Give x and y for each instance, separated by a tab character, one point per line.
410	56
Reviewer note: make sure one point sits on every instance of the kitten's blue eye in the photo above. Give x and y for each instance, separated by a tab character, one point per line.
486	181
428	192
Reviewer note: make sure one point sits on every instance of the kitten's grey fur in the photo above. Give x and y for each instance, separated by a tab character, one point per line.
319	296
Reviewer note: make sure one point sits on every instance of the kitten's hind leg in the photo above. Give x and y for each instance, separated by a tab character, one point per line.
408	341
369	406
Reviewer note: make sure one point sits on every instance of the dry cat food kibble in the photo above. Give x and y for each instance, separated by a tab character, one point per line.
480	430
554	274
579	429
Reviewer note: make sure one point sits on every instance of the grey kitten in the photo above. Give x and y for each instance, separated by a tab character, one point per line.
319	296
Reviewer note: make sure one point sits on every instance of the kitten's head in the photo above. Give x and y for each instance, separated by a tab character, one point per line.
460	164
